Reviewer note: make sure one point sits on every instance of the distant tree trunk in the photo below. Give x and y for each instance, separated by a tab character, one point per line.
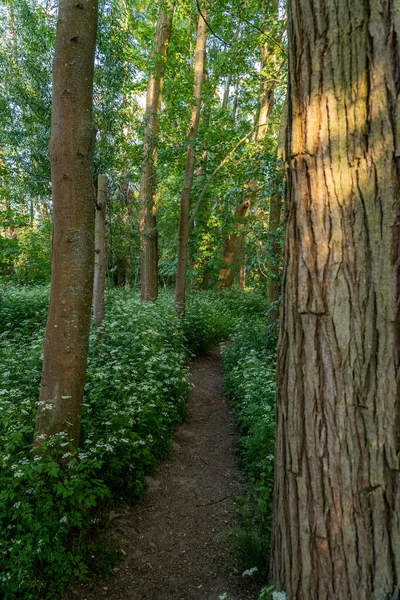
228	83
100	250
242	279
268	59
120	273
336	528
235	100
281	152
225	99
234	245
71	154
128	273
267	99
148	211
180	288
273	281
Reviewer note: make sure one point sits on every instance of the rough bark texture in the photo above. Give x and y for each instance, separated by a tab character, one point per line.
148	212
183	238
71	154
234	246
273	281
100	250
336	530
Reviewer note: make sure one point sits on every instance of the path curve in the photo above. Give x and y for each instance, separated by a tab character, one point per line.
168	541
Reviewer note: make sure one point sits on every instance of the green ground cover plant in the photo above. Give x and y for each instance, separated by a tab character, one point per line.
250	365
135	393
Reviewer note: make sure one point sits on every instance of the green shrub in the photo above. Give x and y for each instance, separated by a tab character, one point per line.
249	362
211	316
23	308
135	392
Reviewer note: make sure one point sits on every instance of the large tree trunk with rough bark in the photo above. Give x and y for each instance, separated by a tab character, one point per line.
100	250
183	239
336	528
274	262
234	247
71	155
148	211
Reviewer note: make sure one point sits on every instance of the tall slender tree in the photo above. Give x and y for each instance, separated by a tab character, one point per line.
148	210
336	528
270	70
200	53
228	82
71	154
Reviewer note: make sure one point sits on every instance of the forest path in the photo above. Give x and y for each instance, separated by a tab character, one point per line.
170	551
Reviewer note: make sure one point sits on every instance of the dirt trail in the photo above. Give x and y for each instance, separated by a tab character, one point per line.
170	551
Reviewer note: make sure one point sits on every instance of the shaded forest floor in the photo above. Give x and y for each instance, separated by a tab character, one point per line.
169	540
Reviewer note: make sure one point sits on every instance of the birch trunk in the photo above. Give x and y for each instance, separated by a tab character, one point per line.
71	155
336	528
148	183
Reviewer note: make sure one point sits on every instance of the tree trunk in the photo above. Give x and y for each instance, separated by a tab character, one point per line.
227	89
273	281
120	273
336	529
148	211
71	155
267	100
235	99
228	83
242	279
180	288
100	251
234	246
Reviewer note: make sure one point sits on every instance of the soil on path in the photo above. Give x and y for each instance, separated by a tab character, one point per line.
168	541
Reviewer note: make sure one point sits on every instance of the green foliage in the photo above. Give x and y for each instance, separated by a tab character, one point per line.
122	66
136	387
22	311
211	316
135	392
249	362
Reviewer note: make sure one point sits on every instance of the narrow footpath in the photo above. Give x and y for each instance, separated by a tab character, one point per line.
168	541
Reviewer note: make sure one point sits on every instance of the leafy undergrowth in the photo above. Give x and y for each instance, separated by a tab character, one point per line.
249	362
135	393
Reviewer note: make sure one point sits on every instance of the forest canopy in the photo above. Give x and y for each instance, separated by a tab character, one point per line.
244	73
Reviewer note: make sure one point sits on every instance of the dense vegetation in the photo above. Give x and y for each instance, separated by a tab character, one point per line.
250	363
122	67
137	369
153	154
136	390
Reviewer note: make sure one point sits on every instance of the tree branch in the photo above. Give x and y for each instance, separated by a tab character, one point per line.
209	26
221	164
